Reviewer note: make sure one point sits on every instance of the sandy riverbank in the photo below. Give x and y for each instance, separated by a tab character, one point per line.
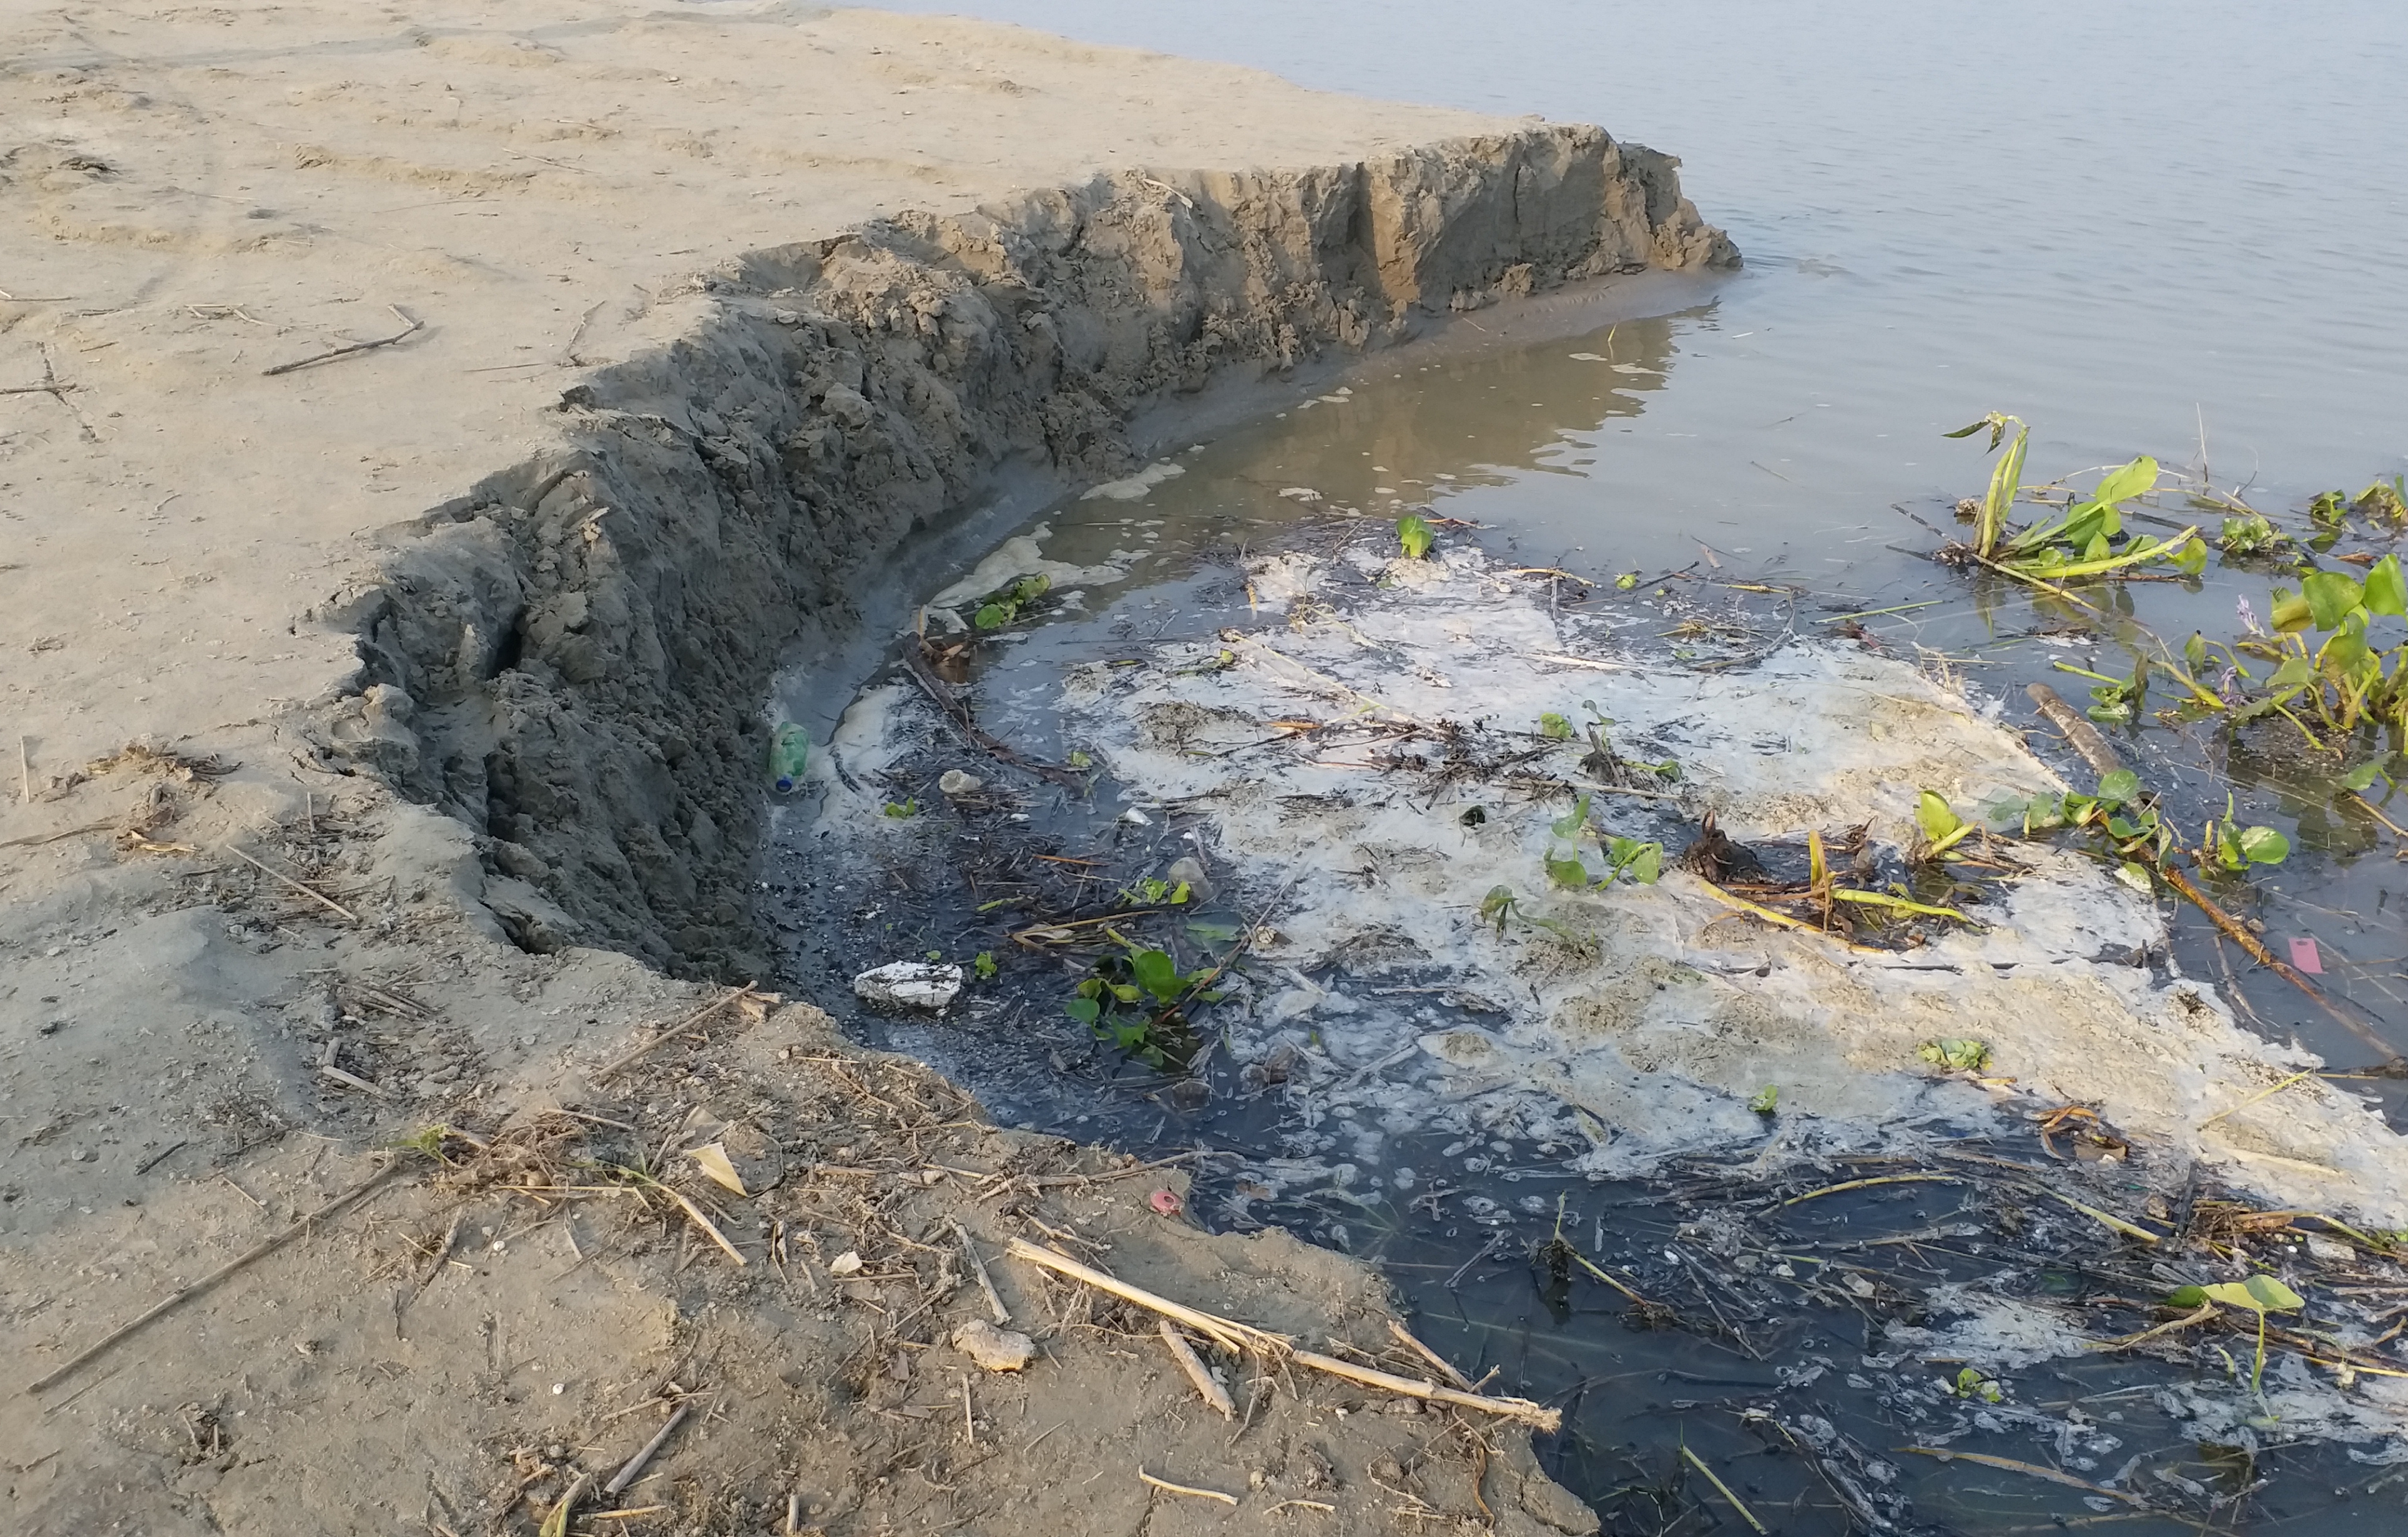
462	636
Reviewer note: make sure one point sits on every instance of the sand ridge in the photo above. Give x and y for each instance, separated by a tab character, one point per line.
195	194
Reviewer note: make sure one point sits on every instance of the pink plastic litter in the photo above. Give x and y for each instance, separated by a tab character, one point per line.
2304	956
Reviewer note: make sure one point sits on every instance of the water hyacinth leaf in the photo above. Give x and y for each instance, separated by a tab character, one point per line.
1554	727
2191	558
1568	873
1765	1099
2289	611
2296	671
2363	775
2263	846
2386	591
1497	906
1415	536
2330	597
2119	788
1086	1011
1574	822
1931	814
2186	1297
2135	875
2126	482
1156	972
1627	580
990	617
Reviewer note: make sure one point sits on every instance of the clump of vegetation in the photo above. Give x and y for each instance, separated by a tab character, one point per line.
2088	540
1957	1056
1415	536
1154	891
1641	861
1135	999
1007	604
2249	534
2260	1294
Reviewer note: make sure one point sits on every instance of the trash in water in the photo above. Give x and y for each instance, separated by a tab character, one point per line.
954	781
928	985
2304	956
790	752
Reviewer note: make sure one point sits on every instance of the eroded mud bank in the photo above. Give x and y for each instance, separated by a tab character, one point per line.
571	657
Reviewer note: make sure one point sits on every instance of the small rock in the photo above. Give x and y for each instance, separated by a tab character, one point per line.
955	783
847	1263
927	986
1191	871
2329	1250
995	1349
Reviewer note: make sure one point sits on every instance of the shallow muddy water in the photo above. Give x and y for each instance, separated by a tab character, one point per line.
2129	228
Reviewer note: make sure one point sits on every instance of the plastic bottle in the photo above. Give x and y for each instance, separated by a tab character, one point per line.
790	749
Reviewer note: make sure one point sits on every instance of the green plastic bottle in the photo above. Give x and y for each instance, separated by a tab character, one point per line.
790	749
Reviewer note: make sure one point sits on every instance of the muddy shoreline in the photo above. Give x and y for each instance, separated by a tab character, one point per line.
428	865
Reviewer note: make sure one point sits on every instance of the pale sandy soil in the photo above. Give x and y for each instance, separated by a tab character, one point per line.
195	194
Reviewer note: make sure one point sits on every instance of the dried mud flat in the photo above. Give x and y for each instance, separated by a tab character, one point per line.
421	439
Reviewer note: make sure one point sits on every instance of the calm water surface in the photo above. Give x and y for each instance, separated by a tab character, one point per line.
2120	221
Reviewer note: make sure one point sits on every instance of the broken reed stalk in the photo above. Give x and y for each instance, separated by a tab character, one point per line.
319	897
2207	1311
2033	1469
1438	1363
666	1031
1210	1390
1724	1490
2238	932
411	329
1236	1337
247	1256
634	1465
986	1283
1169	1487
2261	1093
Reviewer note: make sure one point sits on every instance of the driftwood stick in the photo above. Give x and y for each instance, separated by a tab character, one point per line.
2082	737
1233	1335
317	896
958	715
2238	932
1197	1374
257	1252
411	329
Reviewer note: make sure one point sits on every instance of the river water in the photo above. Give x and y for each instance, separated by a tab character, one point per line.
2123	223
2173	229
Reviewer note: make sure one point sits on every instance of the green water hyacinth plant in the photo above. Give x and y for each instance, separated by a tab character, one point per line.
1415	536
2083	541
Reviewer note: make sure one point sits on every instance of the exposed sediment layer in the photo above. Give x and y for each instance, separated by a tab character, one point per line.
570	657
